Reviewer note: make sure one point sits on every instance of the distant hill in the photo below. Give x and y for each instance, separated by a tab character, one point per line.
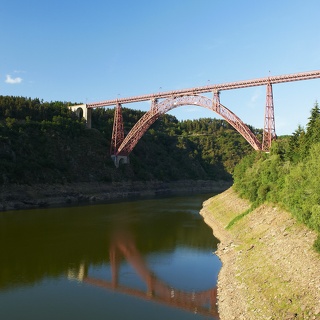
44	142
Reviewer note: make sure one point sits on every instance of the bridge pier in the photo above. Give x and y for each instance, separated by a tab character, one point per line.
269	132
120	159
176	98
84	112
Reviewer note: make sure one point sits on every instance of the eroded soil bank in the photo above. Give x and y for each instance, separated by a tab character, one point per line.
47	195
270	270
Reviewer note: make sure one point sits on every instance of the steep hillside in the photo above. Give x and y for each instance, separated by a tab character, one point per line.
288	175
270	270
44	142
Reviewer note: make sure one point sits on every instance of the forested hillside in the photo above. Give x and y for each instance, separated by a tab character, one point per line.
289	175
44	142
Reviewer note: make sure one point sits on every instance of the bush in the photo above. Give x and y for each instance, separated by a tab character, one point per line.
289	175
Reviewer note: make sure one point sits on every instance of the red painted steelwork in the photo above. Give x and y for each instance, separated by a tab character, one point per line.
118	131
217	87
121	146
166	105
269	132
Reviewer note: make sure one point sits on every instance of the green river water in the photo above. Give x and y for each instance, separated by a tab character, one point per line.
146	259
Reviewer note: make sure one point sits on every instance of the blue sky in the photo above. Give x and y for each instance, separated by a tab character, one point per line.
87	51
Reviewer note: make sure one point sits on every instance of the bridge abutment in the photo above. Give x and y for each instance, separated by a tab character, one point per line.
86	113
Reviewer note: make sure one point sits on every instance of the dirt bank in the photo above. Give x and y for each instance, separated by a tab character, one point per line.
270	270
45	195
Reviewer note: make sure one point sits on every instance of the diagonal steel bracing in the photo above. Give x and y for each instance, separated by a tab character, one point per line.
164	101
166	105
269	130
211	88
118	131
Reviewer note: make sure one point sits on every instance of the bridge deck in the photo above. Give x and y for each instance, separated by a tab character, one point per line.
210	88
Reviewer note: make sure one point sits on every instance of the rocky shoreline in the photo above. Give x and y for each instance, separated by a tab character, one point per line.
15	197
269	268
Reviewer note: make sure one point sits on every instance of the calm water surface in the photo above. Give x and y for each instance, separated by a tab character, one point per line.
147	259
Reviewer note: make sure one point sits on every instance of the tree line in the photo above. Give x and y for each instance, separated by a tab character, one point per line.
45	142
289	175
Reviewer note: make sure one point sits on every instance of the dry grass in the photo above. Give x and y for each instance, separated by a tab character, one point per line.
270	270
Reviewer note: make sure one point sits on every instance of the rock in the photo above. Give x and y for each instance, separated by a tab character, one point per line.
290	316
276	279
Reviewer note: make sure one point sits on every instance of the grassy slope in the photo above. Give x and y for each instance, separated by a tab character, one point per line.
271	270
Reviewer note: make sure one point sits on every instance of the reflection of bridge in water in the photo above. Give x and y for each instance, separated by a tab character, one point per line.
203	302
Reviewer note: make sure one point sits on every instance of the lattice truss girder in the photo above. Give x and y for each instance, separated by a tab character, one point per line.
269	131
210	88
118	131
191	96
138	130
159	108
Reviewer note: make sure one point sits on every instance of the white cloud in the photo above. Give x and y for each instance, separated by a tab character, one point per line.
255	97
11	80
19	71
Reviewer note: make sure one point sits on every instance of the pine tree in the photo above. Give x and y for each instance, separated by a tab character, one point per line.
313	125
296	144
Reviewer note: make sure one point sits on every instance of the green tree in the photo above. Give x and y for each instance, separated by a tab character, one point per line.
313	129
296	144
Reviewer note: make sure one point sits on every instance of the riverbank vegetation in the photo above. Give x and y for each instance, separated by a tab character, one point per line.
45	142
288	175
270	270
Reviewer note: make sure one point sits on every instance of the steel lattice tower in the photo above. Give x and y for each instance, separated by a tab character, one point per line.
118	131
269	131
163	102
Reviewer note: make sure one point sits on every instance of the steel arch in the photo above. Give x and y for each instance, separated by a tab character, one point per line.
162	107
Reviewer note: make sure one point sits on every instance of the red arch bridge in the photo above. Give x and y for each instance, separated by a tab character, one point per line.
163	102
